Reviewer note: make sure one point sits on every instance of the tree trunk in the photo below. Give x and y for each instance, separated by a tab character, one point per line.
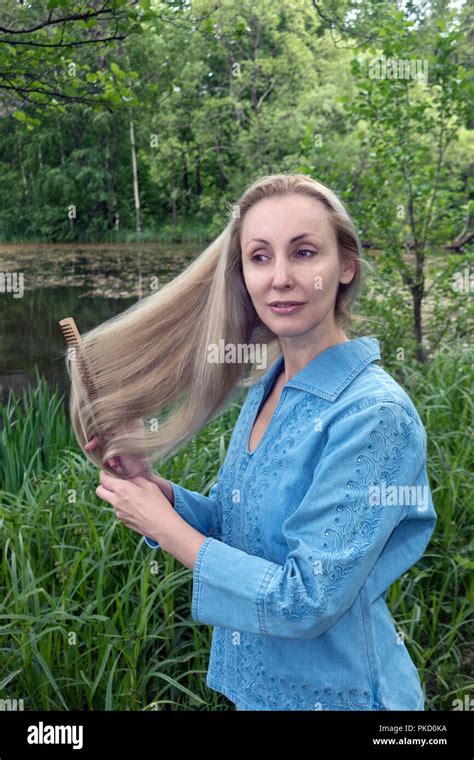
113	192
22	168
186	185
198	175
417	296
174	206
61	146
220	163
135	178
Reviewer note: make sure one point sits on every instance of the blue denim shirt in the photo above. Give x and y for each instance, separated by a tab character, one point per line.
305	534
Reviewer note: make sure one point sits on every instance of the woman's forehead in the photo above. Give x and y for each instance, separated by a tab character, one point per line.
285	217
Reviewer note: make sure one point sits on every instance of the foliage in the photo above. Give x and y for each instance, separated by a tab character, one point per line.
90	618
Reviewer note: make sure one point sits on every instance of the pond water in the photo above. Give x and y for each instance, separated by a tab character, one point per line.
43	283
91	283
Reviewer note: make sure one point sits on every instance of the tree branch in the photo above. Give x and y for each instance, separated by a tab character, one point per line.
72	17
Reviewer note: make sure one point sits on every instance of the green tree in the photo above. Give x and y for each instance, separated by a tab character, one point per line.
407	123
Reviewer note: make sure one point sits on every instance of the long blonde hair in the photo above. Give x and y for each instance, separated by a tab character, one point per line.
151	361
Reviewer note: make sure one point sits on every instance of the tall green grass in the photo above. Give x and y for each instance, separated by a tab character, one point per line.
34	431
91	618
434	602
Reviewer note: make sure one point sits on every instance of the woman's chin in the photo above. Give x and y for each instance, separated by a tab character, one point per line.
289	331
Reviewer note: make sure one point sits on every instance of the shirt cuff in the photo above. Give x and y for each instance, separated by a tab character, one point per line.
152	543
229	587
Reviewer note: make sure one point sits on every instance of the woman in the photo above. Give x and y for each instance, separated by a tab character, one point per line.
323	499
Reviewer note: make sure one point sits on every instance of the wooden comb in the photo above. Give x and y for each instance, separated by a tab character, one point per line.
74	344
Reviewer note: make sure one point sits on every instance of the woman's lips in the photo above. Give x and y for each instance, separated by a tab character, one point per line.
286	309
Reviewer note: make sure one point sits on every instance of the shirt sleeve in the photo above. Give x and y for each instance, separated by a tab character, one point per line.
201	512
334	536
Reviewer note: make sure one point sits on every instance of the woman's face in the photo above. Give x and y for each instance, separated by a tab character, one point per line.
289	253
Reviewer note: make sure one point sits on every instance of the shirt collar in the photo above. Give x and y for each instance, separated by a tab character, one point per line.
330	371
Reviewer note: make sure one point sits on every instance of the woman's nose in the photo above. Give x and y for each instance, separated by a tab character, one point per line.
282	272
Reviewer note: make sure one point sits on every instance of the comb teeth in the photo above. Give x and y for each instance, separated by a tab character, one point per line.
70	332
73	340
69	335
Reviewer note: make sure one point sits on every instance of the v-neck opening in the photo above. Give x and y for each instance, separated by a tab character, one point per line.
259	409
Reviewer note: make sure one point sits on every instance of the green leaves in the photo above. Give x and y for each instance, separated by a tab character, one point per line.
58	53
29	121
117	70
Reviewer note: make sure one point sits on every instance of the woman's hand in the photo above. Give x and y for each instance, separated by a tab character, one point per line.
131	463
140	505
127	463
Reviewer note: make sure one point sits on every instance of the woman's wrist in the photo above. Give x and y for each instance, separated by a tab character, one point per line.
165	487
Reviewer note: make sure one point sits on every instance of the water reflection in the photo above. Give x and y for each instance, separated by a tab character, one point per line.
88	282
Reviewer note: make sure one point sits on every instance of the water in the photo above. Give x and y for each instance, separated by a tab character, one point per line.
88	282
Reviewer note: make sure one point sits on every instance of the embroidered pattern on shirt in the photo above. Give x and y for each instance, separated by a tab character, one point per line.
271	462
241	519
266	691
352	532
347	539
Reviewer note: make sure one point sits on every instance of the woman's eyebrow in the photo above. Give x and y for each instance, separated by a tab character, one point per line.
293	239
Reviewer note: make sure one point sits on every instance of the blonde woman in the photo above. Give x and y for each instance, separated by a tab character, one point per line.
323	499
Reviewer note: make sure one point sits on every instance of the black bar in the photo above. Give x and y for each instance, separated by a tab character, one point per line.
415	734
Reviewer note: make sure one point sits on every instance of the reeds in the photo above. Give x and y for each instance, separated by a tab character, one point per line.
91	618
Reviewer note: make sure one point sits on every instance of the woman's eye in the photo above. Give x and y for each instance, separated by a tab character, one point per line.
258	256
307	250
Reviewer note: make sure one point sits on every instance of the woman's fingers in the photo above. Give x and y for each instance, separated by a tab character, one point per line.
112	462
94	441
127	463
106	479
115	464
129	427
107	495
